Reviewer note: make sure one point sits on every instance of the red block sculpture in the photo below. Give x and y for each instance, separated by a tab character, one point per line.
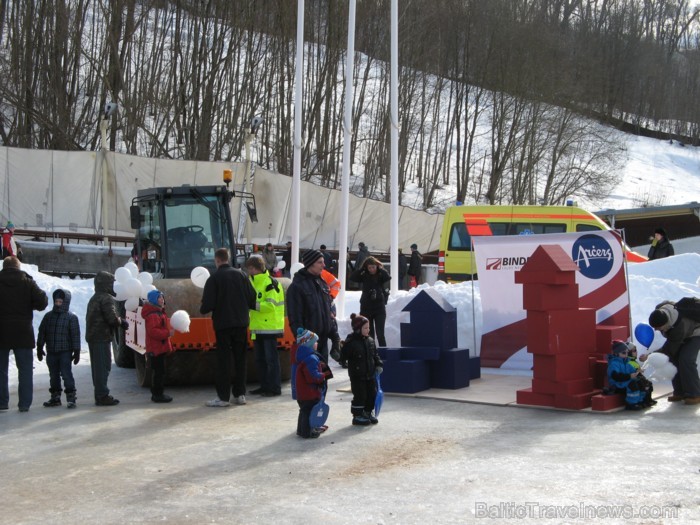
561	336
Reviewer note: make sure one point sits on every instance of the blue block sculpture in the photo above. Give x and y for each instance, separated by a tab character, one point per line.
428	356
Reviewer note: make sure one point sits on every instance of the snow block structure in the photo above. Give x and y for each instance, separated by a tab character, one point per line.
569	349
428	356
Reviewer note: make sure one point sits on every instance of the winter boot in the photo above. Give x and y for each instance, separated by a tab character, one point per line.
372	419
361	420
161	398
55	400
70	398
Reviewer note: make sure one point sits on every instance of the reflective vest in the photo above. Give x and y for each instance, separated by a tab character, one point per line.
268	316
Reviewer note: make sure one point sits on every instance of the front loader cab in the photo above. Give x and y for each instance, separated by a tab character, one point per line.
180	228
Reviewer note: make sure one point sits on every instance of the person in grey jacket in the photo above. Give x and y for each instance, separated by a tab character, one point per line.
19	297
101	323
682	345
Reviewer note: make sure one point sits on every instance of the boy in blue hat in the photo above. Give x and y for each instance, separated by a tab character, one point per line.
309	376
158	333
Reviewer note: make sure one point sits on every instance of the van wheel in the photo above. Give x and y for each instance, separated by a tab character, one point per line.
143	374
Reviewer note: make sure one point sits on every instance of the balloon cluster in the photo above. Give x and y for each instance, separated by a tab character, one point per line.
130	285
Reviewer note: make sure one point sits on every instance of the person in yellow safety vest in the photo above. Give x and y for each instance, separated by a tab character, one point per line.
266	326
332	282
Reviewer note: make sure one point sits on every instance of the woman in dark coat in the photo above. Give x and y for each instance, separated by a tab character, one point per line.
375	294
660	247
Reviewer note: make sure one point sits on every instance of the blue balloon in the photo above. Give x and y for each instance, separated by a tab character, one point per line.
644	334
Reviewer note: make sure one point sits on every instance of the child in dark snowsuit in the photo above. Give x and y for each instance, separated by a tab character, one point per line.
310	374
364	364
60	332
623	377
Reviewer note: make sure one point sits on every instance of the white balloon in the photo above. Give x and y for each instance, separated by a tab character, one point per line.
295	268
281	265
120	291
122	274
199	276
145	278
666	372
133	287
133	269
131	304
657	359
145	288
180	321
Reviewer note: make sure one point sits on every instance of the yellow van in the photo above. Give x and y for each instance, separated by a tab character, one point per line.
456	262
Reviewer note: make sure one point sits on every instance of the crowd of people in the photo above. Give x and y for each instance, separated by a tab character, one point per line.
255	301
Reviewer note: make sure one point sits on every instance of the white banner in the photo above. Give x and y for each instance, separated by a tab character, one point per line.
601	282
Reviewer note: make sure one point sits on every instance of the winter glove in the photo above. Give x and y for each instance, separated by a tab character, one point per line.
124	324
379	370
40	354
76	356
335	350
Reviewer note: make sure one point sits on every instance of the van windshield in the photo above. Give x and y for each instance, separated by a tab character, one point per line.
460	240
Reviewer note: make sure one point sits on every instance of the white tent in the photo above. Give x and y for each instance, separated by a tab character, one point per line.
58	191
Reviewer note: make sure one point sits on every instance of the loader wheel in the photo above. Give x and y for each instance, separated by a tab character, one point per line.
143	375
123	354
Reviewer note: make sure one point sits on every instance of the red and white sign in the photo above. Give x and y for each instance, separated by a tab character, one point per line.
601	281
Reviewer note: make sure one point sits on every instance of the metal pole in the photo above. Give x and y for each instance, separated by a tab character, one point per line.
394	96
298	99
347	138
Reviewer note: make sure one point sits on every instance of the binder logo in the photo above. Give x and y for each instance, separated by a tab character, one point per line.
593	255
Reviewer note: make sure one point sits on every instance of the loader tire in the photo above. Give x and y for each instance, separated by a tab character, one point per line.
123	354
143	374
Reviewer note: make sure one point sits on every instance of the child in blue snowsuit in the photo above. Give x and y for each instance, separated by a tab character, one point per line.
622	376
60	332
309	376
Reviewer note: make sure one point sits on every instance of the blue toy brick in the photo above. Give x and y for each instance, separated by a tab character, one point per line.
430	353
451	370
389	354
406	377
405	329
428	300
474	367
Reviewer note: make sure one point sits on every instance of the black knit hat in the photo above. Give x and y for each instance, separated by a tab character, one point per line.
310	257
658	318
661	231
619	346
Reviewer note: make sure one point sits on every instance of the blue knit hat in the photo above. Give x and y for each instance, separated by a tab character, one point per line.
153	296
10	224
306	338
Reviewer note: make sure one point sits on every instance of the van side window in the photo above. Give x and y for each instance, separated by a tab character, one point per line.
460	240
588	228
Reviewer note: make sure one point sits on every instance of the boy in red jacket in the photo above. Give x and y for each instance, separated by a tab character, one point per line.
309	379
158	345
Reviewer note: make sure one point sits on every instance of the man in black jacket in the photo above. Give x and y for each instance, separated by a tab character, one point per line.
309	302
19	297
228	295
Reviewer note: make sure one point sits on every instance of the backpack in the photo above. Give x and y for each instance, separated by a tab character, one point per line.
689	307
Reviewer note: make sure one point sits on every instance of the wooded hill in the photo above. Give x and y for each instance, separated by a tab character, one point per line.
504	99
